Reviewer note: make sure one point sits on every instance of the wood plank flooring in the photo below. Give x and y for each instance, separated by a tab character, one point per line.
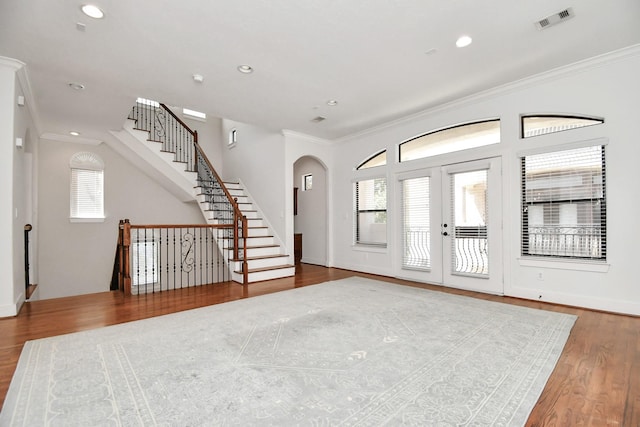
596	381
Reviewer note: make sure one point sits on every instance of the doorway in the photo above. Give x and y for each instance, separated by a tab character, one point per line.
451	227
310	212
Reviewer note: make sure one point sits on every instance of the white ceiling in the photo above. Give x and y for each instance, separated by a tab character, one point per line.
370	55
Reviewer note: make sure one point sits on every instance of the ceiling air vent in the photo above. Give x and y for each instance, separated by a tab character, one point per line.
318	119
554	19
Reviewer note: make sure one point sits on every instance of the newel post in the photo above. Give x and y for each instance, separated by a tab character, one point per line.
125	259
245	263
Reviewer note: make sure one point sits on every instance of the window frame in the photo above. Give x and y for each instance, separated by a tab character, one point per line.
449	128
523	117
363	164
357	211
80	165
534	258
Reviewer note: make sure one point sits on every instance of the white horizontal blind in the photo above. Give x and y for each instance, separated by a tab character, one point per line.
371	212
564	204
146	265
416	225
87	198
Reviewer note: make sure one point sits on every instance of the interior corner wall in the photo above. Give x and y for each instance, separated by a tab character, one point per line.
258	160
77	258
9	294
606	87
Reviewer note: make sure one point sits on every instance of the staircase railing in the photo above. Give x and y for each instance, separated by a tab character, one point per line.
155	258
176	137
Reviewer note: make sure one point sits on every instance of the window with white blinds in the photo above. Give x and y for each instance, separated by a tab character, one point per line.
87	186
416	230
564	204
370	200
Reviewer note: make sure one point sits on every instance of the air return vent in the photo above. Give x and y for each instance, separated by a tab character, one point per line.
318	119
556	18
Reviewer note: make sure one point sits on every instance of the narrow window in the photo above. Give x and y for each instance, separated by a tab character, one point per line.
549	123
233	136
307	182
452	139
564	204
371	212
378	159
87	187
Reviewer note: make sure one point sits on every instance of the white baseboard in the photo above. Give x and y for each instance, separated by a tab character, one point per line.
12	309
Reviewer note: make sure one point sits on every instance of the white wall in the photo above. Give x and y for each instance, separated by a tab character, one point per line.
299	146
606	87
10	296
209	138
311	219
258	160
77	258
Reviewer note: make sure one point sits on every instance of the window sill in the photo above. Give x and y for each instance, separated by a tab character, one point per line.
370	248
86	219
578	265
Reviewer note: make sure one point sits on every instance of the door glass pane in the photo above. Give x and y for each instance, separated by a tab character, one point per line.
416	220
468	230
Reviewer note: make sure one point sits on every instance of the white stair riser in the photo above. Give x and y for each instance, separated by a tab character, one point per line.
256	252
264	275
263	231
262	263
258	241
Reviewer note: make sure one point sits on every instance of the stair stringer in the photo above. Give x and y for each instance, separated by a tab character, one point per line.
133	144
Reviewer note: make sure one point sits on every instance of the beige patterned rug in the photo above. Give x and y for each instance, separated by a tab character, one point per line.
353	352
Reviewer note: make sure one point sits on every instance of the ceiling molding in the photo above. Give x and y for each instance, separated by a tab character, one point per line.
70	138
554	74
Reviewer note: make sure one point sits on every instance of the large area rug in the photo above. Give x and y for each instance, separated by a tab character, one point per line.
353	352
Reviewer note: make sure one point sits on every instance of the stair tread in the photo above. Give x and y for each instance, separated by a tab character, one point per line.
256	247
255	258
248	237
275	267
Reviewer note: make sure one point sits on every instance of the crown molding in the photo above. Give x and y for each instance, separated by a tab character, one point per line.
70	138
310	138
553	74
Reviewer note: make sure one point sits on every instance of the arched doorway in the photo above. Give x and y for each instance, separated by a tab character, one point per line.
310	217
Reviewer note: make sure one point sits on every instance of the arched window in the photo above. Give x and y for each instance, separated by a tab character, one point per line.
378	159
87	186
542	124
456	138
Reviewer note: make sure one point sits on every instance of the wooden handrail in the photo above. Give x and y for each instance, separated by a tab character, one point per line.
181	226
237	213
171	113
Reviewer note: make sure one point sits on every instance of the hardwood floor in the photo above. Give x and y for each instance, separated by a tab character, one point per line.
596	381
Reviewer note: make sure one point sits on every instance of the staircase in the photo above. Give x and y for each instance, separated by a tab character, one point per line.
264	256
172	156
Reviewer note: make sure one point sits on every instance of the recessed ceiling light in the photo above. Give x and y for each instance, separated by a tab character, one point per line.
198	78
246	69
76	86
92	11
332	102
463	41
74	133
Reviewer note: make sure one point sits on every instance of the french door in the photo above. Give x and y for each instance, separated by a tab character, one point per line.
450	226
